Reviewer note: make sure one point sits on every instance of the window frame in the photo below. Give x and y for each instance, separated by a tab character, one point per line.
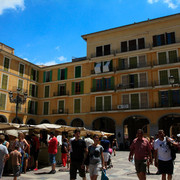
48	108
58	105
45	91
80	110
103	101
7	80
23	69
22	84
5	100
9	63
75	71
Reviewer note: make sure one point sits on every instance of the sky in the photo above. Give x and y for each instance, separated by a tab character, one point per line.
48	32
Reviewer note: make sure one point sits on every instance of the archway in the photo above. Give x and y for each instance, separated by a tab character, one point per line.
60	122
44	121
3	119
31	122
170	124
17	120
132	124
77	123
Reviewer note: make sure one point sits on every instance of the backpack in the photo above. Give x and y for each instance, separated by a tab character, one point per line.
173	151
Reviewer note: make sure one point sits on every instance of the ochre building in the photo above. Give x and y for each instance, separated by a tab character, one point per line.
129	79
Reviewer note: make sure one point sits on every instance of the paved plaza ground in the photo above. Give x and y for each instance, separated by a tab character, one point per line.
122	170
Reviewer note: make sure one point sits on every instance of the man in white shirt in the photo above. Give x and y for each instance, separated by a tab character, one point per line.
163	157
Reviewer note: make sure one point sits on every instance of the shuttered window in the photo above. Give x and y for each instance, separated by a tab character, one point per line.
99	103
2	101
172	56
125	99
170	38
61	89
144	100
62	74
162	58
125	81
47	76
133	80
123	64
20	85
46	91
175	74
77	105
143	80
163	77
61	106
107	103
133	62
6	64
142	61
46	108
4	81
21	69
134	101
77	71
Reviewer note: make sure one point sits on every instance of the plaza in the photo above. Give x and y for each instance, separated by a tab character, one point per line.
122	170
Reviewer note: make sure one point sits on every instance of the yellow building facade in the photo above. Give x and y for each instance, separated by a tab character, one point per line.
122	84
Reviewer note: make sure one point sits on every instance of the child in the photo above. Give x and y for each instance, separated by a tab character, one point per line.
16	161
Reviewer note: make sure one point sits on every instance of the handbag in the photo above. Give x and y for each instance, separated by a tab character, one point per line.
104	176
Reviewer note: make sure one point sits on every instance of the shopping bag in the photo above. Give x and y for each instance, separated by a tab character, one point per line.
104	176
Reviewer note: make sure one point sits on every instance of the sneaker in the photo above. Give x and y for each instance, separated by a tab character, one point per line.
35	169
53	172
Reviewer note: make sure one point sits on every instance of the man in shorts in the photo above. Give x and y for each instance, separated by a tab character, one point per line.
52	150
4	155
78	155
141	149
162	155
16	161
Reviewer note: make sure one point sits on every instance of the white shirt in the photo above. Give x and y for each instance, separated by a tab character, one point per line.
89	142
164	153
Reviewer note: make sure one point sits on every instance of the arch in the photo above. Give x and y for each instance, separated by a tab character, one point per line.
77	123
45	121
17	120
31	122
106	124
170	123
60	122
3	119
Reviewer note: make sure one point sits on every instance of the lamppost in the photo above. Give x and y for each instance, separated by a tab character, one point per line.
17	100
171	80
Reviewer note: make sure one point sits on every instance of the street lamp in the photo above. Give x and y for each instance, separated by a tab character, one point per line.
17	100
171	80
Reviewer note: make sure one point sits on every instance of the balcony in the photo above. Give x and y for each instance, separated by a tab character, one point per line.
111	69
102	89
112	52
61	93
166	62
60	111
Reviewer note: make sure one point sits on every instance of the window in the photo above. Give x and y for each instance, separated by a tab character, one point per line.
133	80
61	89
103	103
6	64
61	106
46	91
4	83
105	66
103	50
77	71
2	101
107	83
132	62
62	74
132	45
34	75
77	105
163	98
141	43
162	58
123	64
21	69
99	84
124	46
46	108
172	56
33	90
32	107
47	76
20	85
162	39
77	87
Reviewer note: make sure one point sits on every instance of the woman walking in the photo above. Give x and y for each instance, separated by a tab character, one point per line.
95	158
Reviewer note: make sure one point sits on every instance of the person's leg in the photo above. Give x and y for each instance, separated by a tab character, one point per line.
53	166
163	176
142	175
15	178
25	164
139	176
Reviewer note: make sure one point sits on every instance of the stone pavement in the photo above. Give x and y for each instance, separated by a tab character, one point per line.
122	170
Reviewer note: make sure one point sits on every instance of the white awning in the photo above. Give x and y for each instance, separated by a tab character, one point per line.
106	67
97	68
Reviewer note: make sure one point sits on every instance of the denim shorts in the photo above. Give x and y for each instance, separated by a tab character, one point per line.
52	158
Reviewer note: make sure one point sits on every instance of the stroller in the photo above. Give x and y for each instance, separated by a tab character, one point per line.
109	163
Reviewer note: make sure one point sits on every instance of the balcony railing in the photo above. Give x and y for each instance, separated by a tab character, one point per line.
111	69
102	89
60	111
156	63
93	55
61	93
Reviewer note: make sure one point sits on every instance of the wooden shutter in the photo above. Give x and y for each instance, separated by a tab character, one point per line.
73	88
175	74
20	84
46	94
66	73
82	87
172	56
132	45
44	76
135	80
46	108
50	75
6	64
99	103
77	106
32	73
37	77
4	81
112	82
30	90
2	101
61	105
162	58
134	101
163	77
77	71
107	103
59	74
36	91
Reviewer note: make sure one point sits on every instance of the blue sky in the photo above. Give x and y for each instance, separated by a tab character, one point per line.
49	31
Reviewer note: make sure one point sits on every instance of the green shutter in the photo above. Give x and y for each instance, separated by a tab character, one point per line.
50	75
59	74
21	70
174	73
36	107
36	91
162	58
37	78
44	76
46	108
46	94
20	84
133	62
82	87
134	101
73	88
112	82
6	64
29	107
107	103
103	83
163	77
2	101
77	106
4	81
99	104
30	90
66	73
172	56
94	85
32	73
77	71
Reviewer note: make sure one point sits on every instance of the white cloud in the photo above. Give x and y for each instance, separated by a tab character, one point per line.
62	58
26	59
173	4
11	4
50	63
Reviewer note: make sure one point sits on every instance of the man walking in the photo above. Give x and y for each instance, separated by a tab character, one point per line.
163	159
52	150
78	155
141	149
